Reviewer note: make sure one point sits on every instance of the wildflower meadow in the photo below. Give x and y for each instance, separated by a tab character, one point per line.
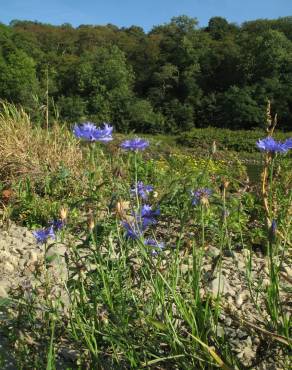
138	256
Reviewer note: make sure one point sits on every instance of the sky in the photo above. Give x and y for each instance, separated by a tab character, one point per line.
143	13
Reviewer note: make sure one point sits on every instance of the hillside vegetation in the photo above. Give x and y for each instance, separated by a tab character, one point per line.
176	77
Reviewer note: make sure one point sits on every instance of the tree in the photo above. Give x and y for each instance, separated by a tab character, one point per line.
265	56
18	80
237	109
142	118
104	81
218	28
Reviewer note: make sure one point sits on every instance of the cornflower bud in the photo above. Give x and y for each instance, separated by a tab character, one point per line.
63	213
90	221
214	147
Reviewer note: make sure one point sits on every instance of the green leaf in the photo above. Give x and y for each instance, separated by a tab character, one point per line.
51	258
5	302
157	324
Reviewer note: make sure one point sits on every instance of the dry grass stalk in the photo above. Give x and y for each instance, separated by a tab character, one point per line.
26	149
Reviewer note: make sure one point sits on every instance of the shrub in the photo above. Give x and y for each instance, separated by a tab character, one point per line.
239	141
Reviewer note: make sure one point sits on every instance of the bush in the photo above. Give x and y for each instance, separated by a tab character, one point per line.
239	141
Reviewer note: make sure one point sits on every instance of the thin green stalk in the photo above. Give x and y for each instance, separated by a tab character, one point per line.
51	357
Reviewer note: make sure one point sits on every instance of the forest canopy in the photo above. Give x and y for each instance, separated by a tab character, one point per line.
176	77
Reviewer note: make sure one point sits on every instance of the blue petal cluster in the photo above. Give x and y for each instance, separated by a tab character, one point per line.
104	134
142	190
269	144
143	219
135	144
88	131
57	224
43	235
133	230
274	227
288	143
156	246
148	215
199	194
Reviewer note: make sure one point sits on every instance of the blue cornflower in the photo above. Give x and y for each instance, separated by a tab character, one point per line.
85	131
288	143
269	144
133	230
200	195
148	215
274	227
88	131
143	219
104	134
135	144
57	224
142	190
43	235
157	247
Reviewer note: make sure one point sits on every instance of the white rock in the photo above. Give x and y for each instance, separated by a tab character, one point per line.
246	252
220	285
220	331
8	267
33	257
238	301
3	289
13	260
241	265
288	271
241	297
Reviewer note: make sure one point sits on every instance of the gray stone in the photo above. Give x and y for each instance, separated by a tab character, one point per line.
220	285
3	289
33	257
213	251
288	270
8	267
220	331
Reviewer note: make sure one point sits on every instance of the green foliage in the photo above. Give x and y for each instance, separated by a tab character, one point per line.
17	77
143	118
176	77
218	27
238	141
238	110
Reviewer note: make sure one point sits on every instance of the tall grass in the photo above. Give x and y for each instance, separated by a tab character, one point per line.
26	149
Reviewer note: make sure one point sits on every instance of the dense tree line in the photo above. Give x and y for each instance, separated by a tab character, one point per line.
173	78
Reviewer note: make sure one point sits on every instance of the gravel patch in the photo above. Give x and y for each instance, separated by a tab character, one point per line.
223	275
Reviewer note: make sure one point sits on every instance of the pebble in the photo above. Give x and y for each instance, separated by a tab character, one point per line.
240	298
246	253
239	301
3	292
33	257
228	321
8	267
213	251
228	253
241	265
241	334
13	260
220	285
220	331
288	271
248	353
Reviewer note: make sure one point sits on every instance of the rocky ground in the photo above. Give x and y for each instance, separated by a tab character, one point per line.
240	320
21	261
